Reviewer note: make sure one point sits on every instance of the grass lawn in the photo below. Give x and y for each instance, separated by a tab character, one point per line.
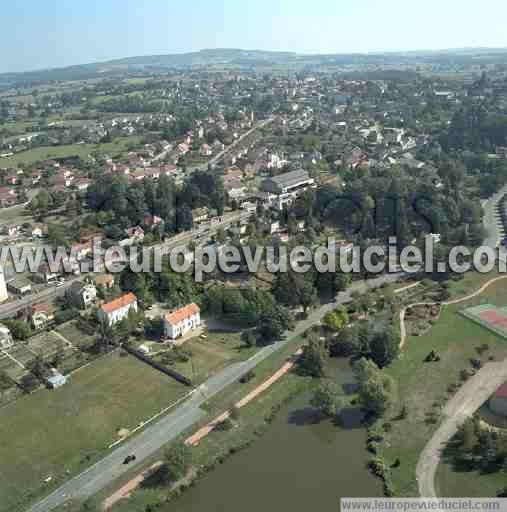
472	484
423	386
217	444
75	335
15	215
51	432
80	150
211	355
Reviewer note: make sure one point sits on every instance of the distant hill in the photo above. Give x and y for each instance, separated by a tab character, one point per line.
251	59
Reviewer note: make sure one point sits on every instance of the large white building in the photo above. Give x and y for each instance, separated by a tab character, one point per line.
118	309
286	187
180	322
3	287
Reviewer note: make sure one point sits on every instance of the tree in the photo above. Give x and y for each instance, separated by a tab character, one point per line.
337	319
248	338
29	383
385	346
20	330
374	388
178	460
235	413
313	359
327	399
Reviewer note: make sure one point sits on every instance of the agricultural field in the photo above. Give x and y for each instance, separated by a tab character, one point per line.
31	156
93	406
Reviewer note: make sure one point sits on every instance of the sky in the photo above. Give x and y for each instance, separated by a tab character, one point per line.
37	34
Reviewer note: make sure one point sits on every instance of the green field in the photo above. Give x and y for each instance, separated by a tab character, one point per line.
75	335
211	355
423	386
78	150
51	432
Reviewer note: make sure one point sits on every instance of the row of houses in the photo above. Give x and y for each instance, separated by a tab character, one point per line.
176	323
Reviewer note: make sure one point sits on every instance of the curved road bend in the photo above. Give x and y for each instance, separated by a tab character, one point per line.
185	416
461	406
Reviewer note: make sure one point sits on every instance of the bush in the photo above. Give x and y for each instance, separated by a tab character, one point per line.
247	377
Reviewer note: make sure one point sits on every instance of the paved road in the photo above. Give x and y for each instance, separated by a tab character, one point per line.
189	413
219	156
492	221
466	401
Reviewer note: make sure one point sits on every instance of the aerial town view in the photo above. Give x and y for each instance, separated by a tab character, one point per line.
253	256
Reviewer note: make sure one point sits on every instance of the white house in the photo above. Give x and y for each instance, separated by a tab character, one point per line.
5	338
179	322
118	309
82	295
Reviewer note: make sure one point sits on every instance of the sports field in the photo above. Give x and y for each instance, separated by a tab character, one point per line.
489	316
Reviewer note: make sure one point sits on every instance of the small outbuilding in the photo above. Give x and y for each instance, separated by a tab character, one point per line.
56	380
498	401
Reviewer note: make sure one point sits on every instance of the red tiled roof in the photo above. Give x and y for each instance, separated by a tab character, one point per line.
501	392
180	314
125	300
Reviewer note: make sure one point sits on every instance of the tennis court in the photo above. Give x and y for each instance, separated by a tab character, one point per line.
491	317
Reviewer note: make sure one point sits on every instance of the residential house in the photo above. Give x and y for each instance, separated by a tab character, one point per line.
180	322
498	401
206	150
104	280
152	221
44	274
20	286
8	197
116	310
135	236
81	295
41	315
200	215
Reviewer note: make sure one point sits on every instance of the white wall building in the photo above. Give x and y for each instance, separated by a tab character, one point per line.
3	287
118	309
180	322
5	338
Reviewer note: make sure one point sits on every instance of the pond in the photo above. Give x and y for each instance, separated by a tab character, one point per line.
301	463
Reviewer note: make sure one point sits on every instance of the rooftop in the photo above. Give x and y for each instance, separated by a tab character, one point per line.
501	392
180	314
125	300
291	178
